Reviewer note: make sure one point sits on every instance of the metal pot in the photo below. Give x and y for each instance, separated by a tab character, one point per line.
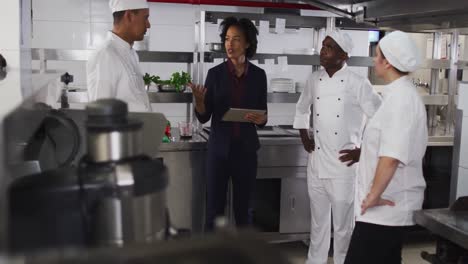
111	136
114	145
170	88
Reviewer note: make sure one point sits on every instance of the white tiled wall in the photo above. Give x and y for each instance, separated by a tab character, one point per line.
15	48
82	24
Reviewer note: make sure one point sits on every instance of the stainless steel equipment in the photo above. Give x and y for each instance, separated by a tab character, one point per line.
217	47
185	160
115	196
399	14
450	226
459	180
110	136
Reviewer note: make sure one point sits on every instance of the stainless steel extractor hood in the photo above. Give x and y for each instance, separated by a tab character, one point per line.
414	15
408	15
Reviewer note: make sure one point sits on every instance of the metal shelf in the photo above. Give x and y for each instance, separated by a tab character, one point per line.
462	65
435	99
157	97
292	20
292	98
436	64
438	137
314	60
83	55
440	141
188	57
293	59
169	97
164	56
60	55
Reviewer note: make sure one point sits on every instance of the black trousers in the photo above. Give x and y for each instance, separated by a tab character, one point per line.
373	244
241	167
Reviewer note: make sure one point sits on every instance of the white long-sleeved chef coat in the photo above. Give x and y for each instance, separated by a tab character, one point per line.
114	72
340	105
397	130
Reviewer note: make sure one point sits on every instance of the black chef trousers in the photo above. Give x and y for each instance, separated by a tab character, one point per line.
371	244
241	167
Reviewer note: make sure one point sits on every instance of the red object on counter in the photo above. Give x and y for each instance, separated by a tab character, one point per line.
240	3
167	131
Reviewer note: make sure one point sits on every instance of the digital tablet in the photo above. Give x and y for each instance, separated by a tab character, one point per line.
238	114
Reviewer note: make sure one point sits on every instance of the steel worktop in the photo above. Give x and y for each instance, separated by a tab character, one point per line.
448	224
196	142
281	156
200	139
282	162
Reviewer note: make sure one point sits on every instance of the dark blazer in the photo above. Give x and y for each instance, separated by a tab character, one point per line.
218	102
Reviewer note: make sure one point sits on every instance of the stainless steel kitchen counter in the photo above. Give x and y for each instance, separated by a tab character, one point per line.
197	142
448	224
281	155
185	162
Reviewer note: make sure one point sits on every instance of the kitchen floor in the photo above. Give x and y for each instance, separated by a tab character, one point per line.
296	252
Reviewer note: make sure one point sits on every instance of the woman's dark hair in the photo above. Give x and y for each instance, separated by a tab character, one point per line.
247	27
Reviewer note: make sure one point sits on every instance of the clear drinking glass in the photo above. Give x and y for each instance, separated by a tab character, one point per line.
185	129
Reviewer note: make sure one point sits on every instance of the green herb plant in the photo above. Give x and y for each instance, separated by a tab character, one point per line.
148	79
178	80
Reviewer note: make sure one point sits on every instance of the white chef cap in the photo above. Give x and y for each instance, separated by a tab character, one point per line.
400	51
121	5
342	39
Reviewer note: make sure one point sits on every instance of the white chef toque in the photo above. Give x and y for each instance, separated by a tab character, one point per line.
121	5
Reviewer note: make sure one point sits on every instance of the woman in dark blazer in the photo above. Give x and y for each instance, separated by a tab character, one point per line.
232	147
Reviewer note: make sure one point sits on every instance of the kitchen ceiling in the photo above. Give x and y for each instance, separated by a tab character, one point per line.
409	15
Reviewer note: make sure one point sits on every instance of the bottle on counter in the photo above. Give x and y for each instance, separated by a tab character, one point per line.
167	133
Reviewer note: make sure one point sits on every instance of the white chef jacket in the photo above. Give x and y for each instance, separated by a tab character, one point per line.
397	130
114	72
340	105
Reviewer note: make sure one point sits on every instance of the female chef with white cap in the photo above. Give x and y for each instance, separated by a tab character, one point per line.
390	184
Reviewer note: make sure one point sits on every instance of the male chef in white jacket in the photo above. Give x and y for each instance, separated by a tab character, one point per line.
114	70
341	100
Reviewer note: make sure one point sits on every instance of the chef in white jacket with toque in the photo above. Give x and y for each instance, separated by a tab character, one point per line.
341	100
114	70
390	184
